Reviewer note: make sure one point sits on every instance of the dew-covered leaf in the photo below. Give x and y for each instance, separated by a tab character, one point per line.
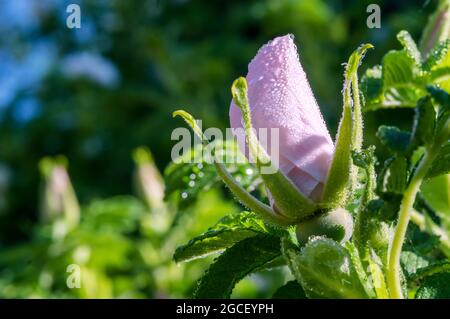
430	270
412	261
435	287
410	47
194	172
437	57
235	263
228	231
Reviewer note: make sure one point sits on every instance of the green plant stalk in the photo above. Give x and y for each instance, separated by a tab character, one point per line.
406	207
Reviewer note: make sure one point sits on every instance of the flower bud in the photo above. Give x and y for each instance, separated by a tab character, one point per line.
280	98
337	225
59	201
437	28
149	181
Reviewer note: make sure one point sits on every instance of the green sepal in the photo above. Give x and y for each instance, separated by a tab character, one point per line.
342	173
238	261
247	199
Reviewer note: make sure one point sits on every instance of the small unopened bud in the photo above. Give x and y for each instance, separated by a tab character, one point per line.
59	199
149	181
336	224
437	28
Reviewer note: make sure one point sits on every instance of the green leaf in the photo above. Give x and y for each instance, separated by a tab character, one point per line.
410	47
400	87
441	164
372	87
228	231
394	138
424	121
291	290
342	172
398	69
115	213
236	263
442	98
435	287
430	270
412	261
436	193
437	56
394	176
193	173
324	269
399	80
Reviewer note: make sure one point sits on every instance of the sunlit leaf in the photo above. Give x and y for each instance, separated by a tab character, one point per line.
435	287
228	231
236	263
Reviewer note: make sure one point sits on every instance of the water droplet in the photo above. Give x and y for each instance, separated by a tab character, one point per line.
200	166
192	176
249	171
184	195
191	184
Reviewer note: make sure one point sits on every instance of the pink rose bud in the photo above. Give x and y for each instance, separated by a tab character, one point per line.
280	97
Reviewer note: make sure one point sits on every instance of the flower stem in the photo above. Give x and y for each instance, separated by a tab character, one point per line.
406	207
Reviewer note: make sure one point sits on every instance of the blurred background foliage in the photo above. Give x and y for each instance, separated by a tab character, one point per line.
96	93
